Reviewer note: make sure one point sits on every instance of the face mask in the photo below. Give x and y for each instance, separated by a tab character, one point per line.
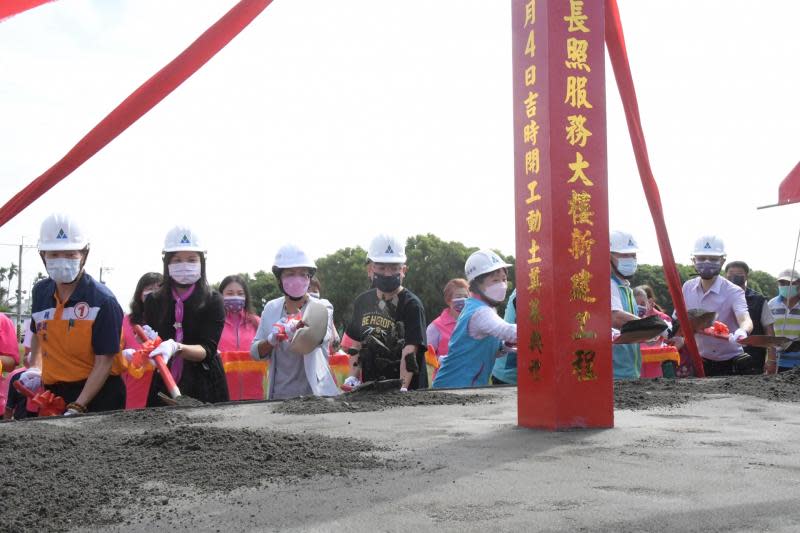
627	266
386	283
458	304
63	270
708	269
295	286
642	310
739	280
496	291
787	291
314	295
184	273
233	304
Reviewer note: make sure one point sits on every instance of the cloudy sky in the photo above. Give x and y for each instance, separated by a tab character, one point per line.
326	122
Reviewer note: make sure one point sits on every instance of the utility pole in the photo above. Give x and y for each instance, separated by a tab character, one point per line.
19	288
104	269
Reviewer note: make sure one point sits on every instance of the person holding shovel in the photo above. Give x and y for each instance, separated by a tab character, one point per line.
189	318
298	365
480	335
77	322
388	324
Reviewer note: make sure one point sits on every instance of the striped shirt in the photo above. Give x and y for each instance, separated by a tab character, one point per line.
787	324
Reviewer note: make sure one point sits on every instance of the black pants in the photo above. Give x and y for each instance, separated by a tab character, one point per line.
726	368
110	397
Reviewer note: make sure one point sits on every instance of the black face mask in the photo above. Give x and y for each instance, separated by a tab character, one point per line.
707	269
739	280
386	283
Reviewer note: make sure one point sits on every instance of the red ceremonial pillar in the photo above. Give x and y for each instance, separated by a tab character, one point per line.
565	376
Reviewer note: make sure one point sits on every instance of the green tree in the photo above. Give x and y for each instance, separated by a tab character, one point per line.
343	276
763	282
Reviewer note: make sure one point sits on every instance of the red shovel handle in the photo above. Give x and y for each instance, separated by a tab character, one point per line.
166	375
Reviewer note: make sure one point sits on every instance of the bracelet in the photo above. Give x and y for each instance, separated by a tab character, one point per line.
75	406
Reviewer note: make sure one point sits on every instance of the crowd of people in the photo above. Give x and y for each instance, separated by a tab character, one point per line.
81	346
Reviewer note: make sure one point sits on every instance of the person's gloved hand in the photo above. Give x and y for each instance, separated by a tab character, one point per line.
31	379
351	383
290	328
166	350
127	353
738	335
150	332
403	389
72	412
277	333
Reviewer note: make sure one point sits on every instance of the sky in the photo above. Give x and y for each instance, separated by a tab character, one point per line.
324	123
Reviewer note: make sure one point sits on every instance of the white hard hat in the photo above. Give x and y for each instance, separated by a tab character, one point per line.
709	245
291	256
623	243
483	262
386	249
789	275
182	239
61	232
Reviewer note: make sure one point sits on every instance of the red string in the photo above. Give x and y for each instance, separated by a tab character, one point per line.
142	100
615	41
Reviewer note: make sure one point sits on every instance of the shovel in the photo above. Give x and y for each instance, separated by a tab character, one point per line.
765	341
378	386
175	397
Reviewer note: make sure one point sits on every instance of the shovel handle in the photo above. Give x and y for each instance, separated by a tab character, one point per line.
166	375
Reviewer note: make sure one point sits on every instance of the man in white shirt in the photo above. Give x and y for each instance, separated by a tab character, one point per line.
711	292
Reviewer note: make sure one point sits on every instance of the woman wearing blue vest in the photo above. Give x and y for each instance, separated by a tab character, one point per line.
480	333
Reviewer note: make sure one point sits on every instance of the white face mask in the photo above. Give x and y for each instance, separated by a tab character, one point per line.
496	291
184	273
627	266
63	270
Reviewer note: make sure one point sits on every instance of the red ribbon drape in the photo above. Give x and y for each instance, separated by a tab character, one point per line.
615	41
9	8
142	100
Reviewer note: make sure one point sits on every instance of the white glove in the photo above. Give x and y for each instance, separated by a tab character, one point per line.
291	328
403	389
166	349
72	412
31	379
277	329
150	332
127	353
351	383
739	334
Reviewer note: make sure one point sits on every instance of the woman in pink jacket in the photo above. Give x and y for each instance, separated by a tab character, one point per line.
439	331
245	376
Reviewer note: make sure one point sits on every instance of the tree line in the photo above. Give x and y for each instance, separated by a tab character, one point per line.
432	262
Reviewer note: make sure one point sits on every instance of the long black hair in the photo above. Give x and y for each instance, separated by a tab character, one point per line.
250	316
137	306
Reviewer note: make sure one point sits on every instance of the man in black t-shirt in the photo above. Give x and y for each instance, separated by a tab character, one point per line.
388	324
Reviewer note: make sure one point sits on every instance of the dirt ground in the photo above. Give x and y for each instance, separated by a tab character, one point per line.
127	469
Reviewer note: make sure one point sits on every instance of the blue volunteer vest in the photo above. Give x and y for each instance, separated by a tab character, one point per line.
627	357
469	361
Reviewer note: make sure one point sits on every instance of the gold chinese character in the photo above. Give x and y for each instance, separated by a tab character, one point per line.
530	13
534	315
583	318
534	221
532	161
576	92
534	281
530	132
534	249
582	243
577	169
535	368
580	207
583	365
576	17
530	104
577	54
536	344
530	76
530	48
533	196
580	287
576	131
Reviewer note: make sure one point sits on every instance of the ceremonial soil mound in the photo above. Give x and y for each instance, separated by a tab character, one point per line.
375	401
643	394
92	472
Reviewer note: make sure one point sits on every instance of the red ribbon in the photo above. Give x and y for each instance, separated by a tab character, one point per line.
9	8
142	100
615	41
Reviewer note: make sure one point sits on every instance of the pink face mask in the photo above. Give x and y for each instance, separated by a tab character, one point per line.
295	286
